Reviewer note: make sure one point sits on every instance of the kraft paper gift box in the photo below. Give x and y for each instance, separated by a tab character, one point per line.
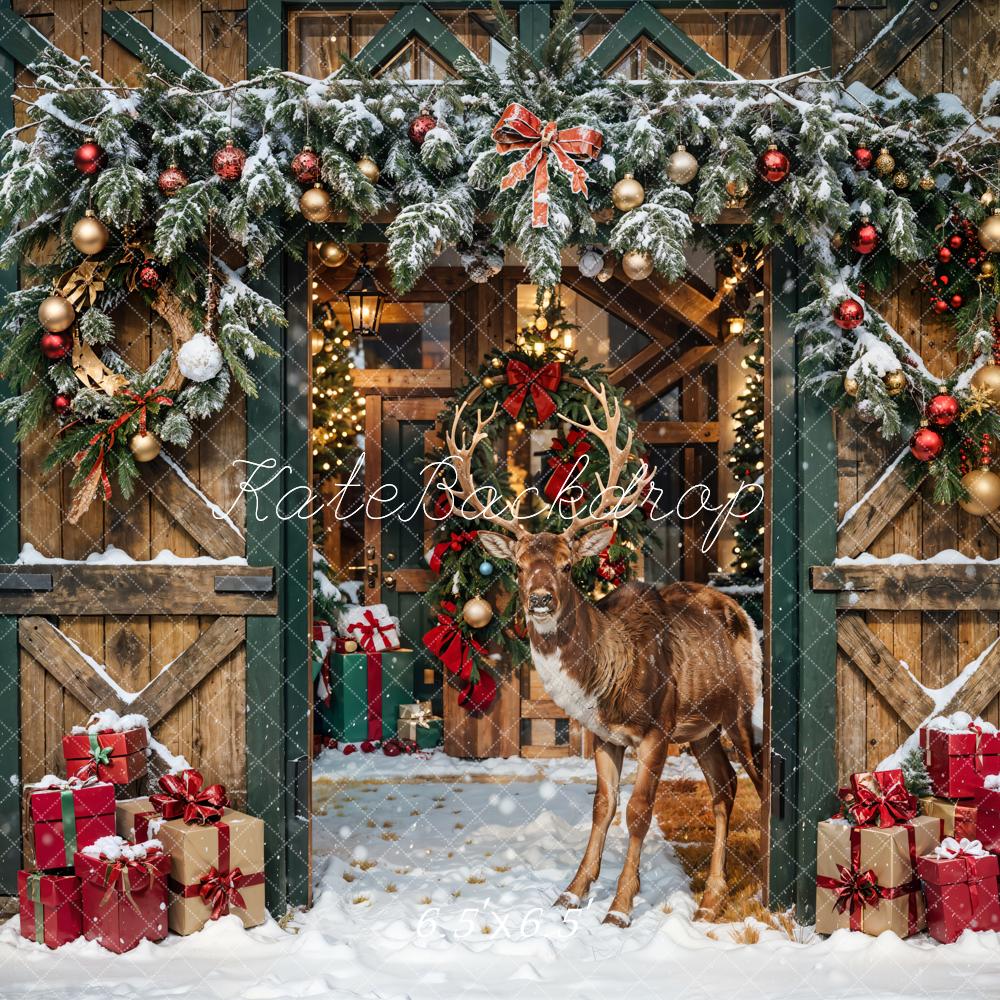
115	756
418	725
960	888
67	816
957	762
123	893
866	877
959	817
49	907
367	691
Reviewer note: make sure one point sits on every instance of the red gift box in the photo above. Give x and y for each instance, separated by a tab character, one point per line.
988	818
961	893
68	817
880	798
124	901
118	757
49	908
958	762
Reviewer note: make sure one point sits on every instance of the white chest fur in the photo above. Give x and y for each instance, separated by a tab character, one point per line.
570	696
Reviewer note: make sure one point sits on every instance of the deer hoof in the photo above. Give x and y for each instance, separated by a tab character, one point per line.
568	901
709	909
618	919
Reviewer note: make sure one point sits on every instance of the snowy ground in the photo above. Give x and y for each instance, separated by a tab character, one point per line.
442	888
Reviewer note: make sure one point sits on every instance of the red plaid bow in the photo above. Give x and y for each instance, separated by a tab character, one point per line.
539	382
519	129
457	542
220	890
183	795
881	799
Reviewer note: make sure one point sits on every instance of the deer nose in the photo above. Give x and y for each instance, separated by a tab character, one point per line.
539	600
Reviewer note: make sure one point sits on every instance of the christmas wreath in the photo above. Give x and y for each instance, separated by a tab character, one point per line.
474	599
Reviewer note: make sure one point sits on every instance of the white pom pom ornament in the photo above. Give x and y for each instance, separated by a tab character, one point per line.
199	358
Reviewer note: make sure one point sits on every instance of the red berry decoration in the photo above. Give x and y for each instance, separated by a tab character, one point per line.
849	314
864	238
56	345
957	301
61	403
306	166
773	165
172	180
942	279
863	158
926	444
942	410
149	275
419	128
955	242
944	254
228	162
939	306
89	158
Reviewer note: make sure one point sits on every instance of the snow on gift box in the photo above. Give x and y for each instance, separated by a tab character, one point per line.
49	907
960	751
960	887
111	749
123	892
68	815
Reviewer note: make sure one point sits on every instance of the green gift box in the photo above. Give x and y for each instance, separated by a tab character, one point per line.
426	735
367	690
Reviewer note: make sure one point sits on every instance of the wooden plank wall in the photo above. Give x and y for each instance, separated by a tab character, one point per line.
209	727
960	57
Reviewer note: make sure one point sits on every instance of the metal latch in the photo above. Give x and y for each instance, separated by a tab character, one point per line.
300	786
25	581
237	584
777	786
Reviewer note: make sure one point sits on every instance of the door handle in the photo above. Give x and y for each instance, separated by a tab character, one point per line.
371	572
389	582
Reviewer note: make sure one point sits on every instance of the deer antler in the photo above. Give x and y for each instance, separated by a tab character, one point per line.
600	509
467	490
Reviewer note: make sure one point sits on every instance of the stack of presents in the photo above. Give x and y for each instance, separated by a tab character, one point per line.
120	871
365	683
892	862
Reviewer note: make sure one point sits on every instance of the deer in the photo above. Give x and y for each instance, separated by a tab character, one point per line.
641	668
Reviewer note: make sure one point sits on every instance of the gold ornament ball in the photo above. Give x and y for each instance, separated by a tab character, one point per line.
315	204
987	197
987	269
331	254
926	183
369	168
627	194
895	382
850	385
987	378
607	272
989	232
736	189
637	265
884	162
682	167
316	342
477	612
144	447
56	313
541	323
983	487
901	180
90	235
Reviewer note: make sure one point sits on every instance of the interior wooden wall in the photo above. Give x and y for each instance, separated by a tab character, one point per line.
207	728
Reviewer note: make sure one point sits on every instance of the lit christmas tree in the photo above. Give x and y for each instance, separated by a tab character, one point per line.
550	332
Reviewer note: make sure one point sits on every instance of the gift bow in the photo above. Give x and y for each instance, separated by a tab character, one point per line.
881	799
950	848
447	643
220	890
457	542
124	873
539	382
98	756
856	889
184	795
518	129
366	632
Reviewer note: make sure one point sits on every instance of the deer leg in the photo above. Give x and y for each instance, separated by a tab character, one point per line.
608	760
741	734
721	779
652	754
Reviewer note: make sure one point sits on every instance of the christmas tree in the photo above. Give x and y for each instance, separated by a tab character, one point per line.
549	332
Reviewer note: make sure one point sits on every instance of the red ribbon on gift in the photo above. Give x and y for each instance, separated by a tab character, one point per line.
539	382
884	802
518	129
565	461
458	541
184	795
368	628
129	877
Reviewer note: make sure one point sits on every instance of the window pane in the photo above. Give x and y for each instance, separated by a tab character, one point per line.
320	41
412	335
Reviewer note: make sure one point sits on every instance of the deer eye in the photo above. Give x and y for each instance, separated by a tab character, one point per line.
566	567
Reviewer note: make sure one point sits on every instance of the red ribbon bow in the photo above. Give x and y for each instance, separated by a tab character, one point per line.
457	542
562	464
366	633
220	890
183	795
539	382
881	799
446	641
129	877
518	129
856	889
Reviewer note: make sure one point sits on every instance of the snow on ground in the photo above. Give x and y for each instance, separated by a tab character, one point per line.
442	890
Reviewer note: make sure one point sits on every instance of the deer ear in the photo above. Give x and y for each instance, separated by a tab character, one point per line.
498	546
593	542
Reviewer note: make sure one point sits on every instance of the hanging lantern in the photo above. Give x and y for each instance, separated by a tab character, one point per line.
365	300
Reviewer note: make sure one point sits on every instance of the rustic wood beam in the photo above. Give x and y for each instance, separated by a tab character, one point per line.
899	39
541	708
401	380
655	383
891	493
21	40
678	432
133	36
924	587
141	589
976	694
894	682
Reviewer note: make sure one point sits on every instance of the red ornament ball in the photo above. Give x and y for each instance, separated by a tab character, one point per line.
172	180
957	301
306	166
863	158
944	254
149	275
942	279
61	403
228	162
419	128
864	238
942	410
89	158
56	345
773	165
849	314
955	242
926	444
939	306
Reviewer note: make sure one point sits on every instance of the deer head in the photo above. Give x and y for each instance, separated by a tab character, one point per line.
544	560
